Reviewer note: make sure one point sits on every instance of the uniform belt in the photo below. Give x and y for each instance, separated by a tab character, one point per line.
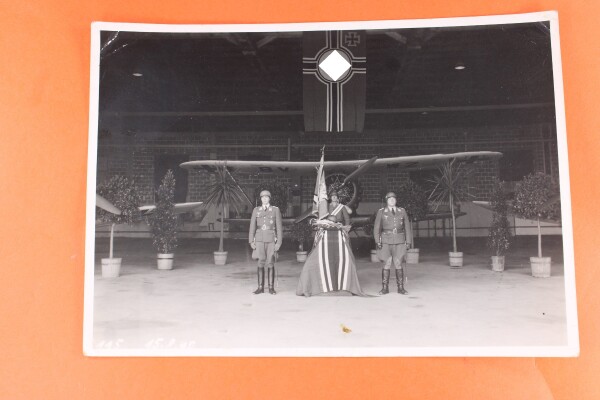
265	229
395	230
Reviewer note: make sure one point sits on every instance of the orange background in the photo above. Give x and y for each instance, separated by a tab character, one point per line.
44	92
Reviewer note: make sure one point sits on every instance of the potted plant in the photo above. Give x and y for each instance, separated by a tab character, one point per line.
224	192
368	230
300	233
499	237
533	201
449	185
163	222
413	199
123	194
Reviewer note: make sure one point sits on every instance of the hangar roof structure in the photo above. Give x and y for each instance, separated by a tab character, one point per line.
420	77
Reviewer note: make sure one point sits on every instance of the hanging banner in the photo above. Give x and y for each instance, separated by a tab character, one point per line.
334	72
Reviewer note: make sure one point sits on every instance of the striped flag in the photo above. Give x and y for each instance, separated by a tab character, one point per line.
320	195
334	68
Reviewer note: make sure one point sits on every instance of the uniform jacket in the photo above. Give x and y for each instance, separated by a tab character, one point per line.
341	216
392	228
265	226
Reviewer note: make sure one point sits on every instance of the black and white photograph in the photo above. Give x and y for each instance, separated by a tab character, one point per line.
377	188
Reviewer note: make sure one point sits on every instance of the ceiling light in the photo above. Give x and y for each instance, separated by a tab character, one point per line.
459	66
137	74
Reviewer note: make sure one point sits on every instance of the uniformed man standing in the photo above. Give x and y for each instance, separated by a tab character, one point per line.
266	235
393	235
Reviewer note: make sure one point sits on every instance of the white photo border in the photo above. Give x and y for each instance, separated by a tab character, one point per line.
569	350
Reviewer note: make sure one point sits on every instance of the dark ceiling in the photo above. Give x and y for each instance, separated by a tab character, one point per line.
253	81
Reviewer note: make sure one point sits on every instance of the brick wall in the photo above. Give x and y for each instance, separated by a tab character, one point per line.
135	156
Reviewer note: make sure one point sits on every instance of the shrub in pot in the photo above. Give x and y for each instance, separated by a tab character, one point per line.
122	193
499	236
449	186
368	230
224	192
301	233
533	197
163	222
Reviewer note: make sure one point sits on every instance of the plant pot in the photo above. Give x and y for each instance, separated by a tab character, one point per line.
498	263
374	257
220	257
301	256
412	256
165	261
540	266
456	259
111	267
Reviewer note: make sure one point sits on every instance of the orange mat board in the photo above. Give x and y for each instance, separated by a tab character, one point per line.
44	124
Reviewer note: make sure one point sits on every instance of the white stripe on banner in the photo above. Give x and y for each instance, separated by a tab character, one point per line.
340	110
340	253
340	96
337	209
347	264
320	51
321	266
329	120
326	242
328	111
329	99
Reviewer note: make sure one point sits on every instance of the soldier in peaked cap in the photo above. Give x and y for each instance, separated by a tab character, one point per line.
266	236
393	235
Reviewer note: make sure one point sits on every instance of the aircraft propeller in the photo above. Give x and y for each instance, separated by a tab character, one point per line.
360	170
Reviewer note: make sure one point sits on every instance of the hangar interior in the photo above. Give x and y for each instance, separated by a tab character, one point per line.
170	98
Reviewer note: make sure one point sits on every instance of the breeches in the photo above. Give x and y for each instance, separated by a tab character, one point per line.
395	253
266	254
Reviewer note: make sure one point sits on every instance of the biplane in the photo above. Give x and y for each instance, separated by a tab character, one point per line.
343	175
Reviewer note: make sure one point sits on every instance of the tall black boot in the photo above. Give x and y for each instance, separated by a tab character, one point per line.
272	280
400	280
385	280
261	280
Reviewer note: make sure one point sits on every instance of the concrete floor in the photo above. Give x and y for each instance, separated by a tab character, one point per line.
199	305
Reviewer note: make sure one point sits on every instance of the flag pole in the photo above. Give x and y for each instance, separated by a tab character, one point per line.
320	199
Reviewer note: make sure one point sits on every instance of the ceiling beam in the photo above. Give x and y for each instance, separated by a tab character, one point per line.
159	114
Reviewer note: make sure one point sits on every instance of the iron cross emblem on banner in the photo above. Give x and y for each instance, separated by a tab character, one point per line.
351	39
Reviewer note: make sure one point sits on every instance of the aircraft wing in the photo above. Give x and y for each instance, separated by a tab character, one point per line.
404	162
178	208
488	206
484	204
106	205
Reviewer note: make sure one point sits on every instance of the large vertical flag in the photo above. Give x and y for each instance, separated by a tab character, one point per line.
320	196
335	80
